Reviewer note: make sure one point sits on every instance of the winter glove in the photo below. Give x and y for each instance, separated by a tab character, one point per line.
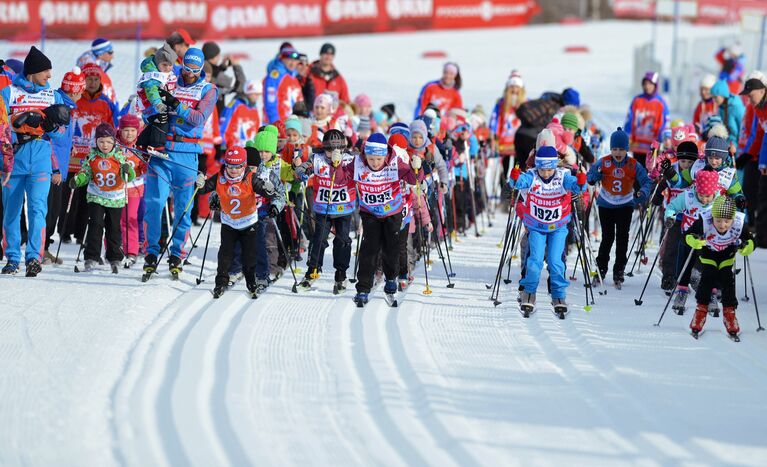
274	211
31	119
336	157
214	202
72	182
741	203
430	228
640	198
125	170
302	170
169	99
266	187
200	182
415	162
56	115
581	178
448	146
161	108
748	248
667	170
515	173
669	222
506	191
695	242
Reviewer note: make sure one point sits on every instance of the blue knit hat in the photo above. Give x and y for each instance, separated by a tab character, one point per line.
571	97
293	123
400	128
619	139
101	46
376	145
721	89
717	146
546	158
194	57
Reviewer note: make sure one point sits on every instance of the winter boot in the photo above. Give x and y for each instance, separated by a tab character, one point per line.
560	307
361	299
730	321
252	290
33	268
129	261
680	299
218	291
261	285
699	319
402	282
150	263
618	278
174	266
667	282
713	305
234	278
48	259
10	268
89	265
115	266
390	287
526	304
308	280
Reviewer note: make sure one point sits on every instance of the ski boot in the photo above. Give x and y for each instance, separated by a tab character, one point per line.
33	268
680	299
731	323
49	259
560	307
10	268
261	285
252	290
698	320
361	299
88	266
340	284
618	278
175	267
129	261
115	265
402	282
306	284
713	305
390	289
526	304
667	283
233	279
150	267
218	291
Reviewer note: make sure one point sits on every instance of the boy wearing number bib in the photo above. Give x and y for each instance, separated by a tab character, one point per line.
616	201
546	191
106	173
378	176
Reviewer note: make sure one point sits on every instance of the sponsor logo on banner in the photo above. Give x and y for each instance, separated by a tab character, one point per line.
109	13
224	18
397	9
286	16
57	13
14	13
345	10
183	12
485	10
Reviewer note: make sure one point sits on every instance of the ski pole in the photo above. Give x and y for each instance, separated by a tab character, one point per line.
679	278
165	248
650	216
200	280
637	235
638	301
745	282
450	285
504	252
423	246
469	166
443	229
66	216
325	222
82	245
194	243
294	289
356	259
753	294
516	240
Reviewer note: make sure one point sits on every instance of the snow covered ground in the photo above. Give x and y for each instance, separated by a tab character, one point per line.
102	370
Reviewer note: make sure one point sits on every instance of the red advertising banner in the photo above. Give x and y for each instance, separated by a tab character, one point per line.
224	19
704	11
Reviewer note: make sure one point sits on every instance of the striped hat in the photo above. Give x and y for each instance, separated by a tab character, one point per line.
101	46
546	158
376	145
724	208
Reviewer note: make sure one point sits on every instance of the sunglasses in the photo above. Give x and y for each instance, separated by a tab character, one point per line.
236	167
191	70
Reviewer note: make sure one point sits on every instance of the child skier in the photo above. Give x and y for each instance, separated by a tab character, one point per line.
130	221
684	210
335	200
106	172
616	201
156	82
547	193
717	156
716	236
378	175
238	193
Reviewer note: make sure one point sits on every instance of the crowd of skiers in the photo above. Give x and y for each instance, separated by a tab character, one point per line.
286	162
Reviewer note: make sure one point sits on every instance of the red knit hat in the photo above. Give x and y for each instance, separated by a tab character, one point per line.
707	182
281	130
130	121
236	156
73	82
398	139
92	69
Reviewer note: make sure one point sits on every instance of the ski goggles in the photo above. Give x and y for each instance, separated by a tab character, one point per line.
236	166
194	71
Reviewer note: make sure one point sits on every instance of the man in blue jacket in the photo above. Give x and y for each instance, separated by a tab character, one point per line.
36	112
191	104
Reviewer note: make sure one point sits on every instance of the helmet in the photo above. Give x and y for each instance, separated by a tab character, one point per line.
333	139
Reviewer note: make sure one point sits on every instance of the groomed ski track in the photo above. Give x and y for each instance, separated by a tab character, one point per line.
446	379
